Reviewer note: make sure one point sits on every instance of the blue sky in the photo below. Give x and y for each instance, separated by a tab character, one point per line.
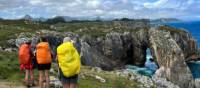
182	9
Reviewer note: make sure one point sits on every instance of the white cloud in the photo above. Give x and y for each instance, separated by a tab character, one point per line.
103	8
34	2
93	3
125	1
157	4
190	1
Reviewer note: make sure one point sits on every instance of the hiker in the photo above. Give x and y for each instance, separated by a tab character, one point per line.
26	63
69	63
43	56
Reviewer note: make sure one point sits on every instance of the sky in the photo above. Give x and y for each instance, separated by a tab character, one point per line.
151	9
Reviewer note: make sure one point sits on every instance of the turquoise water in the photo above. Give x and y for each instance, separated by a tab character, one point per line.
141	70
148	70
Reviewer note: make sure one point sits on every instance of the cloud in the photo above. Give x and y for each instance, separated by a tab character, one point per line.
93	3
103	8
157	4
125	1
35	2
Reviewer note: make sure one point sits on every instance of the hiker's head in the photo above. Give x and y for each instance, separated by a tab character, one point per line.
43	39
67	39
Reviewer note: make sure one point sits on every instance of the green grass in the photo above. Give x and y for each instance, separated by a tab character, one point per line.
9	66
112	80
10	29
171	29
94	29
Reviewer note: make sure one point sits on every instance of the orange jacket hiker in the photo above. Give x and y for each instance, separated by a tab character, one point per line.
43	53
24	54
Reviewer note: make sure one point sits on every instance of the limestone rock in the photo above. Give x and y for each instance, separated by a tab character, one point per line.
146	82
90	56
22	38
140	45
11	42
100	79
10	49
197	83
170	57
163	83
55	82
96	69
184	39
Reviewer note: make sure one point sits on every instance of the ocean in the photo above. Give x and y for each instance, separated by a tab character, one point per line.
193	27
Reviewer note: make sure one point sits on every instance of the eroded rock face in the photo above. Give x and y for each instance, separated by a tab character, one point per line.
170	58
113	46
185	41
92	57
140	45
119	48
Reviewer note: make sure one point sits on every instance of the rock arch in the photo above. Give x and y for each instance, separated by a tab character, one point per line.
170	59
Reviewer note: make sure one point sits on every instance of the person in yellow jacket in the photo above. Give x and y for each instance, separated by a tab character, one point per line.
69	63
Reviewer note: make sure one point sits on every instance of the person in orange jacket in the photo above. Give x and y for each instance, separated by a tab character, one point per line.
25	59
43	56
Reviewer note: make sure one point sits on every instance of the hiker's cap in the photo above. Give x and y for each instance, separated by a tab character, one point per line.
67	39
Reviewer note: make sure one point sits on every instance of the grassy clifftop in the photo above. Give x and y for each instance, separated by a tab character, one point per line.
10	29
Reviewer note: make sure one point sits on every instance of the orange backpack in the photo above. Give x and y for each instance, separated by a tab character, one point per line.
24	54
43	53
